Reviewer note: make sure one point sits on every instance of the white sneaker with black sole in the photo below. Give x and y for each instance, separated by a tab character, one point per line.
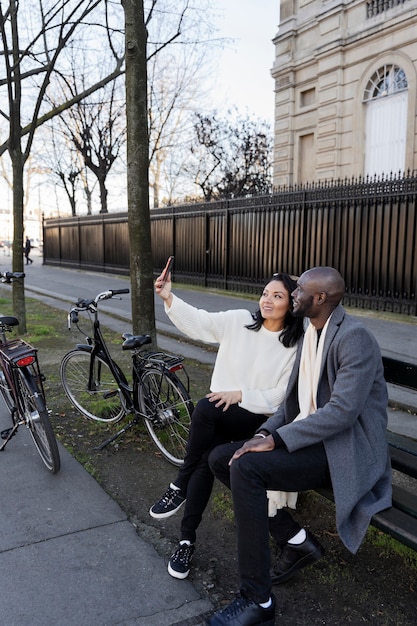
169	504
179	563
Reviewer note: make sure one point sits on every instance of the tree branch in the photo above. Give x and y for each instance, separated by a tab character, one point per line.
68	104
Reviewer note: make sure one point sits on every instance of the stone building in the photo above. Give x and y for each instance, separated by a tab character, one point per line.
345	89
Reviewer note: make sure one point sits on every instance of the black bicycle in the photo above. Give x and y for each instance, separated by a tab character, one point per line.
21	386
99	390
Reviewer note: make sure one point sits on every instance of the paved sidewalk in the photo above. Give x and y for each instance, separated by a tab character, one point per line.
68	554
70	557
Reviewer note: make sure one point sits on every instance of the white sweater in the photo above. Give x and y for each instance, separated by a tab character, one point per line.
254	362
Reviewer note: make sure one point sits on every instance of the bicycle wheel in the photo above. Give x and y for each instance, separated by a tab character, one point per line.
101	400
167	406
6	393
33	410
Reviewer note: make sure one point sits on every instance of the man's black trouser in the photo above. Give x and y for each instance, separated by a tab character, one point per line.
249	477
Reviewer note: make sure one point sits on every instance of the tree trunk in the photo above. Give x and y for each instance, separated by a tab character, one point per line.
141	264
103	195
18	291
17	159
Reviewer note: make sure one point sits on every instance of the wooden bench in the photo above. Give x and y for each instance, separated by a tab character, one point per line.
399	521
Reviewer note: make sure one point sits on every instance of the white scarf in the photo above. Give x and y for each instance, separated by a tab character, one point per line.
308	379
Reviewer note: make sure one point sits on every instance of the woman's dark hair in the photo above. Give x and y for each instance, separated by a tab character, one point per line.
293	326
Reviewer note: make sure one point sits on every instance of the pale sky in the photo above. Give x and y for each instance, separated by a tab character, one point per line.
244	77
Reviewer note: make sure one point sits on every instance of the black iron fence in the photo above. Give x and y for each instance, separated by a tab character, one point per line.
366	229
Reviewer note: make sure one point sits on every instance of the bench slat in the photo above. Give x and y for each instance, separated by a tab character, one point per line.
403	452
404	462
397	524
402	442
400	373
404	500
401	499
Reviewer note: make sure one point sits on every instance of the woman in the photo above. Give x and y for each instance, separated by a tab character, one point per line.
254	360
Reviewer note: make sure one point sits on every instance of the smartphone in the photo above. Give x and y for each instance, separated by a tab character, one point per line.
168	268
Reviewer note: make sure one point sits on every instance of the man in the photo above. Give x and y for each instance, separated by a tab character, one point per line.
28	248
329	430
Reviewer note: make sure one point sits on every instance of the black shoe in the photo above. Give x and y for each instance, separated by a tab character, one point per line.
295	557
170	503
179	563
244	612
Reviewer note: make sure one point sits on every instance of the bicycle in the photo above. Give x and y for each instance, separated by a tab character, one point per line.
21	386
99	390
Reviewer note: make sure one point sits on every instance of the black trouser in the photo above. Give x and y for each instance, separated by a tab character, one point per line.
210	426
249	477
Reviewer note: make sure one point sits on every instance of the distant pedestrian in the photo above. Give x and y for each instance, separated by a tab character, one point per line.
28	248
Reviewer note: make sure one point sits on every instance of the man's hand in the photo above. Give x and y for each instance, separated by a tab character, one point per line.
256	444
225	397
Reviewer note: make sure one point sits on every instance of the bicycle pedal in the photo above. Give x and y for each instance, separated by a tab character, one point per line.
110	394
5	433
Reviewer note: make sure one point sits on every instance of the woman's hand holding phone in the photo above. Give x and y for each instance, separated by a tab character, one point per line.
166	272
163	282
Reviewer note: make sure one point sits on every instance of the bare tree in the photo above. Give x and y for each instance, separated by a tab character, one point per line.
97	130
175	75
64	163
95	126
34	37
232	156
178	85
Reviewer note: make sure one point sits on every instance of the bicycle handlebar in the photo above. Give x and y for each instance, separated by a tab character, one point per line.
105	295
91	304
116	292
6	277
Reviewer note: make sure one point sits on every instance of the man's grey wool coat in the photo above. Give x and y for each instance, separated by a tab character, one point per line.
351	420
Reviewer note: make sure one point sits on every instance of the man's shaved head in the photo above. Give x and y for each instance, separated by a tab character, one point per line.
329	280
319	291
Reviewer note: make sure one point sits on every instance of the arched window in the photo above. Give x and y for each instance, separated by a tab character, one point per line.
385	98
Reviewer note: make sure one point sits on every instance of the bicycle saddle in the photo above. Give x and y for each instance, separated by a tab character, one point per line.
135	341
9	321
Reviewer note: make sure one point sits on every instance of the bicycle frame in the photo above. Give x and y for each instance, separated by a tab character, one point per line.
157	359
9	378
97	347
155	395
139	362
